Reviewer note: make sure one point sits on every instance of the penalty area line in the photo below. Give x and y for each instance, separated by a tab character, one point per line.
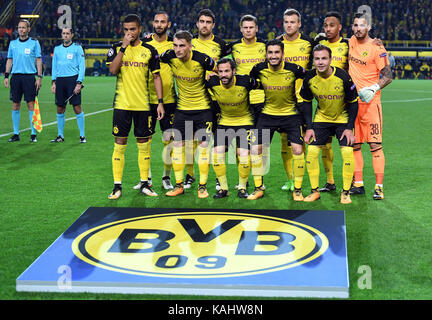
55	122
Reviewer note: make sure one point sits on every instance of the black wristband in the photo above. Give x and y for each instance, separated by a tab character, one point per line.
79	82
6	75
39	76
122	49
160	100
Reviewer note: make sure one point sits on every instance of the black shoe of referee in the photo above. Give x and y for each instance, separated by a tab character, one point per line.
58	139
14	138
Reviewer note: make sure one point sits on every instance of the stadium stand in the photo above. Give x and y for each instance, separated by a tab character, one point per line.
403	25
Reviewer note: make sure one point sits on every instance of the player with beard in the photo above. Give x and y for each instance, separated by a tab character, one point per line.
231	92
280	113
162	42
216	48
132	61
370	70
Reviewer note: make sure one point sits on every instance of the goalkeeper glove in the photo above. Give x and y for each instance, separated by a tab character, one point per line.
367	93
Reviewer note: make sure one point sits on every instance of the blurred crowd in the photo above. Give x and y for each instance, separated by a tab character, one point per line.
391	19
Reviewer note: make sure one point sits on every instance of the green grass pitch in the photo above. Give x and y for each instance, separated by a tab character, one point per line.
45	187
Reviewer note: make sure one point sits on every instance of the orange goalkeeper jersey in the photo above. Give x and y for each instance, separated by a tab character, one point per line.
366	60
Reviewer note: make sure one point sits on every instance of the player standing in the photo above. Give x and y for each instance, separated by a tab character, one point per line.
370	69
162	42
337	99
68	71
298	50
193	112
216	48
132	60
24	61
339	50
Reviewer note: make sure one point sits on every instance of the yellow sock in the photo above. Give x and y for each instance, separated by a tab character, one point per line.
347	166
149	153
313	167
178	163
243	170
190	156
287	156
167	157
118	162
299	169
219	167
327	160
203	163
257	169
144	159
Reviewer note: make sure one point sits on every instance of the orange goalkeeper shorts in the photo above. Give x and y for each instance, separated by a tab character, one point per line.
368	124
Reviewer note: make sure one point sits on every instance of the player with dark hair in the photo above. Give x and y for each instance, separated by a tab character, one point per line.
339	49
231	92
68	71
24	61
132	60
216	48
193	112
162	42
337	109
370	69
280	113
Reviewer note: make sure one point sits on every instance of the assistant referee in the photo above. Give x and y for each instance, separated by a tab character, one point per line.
24	61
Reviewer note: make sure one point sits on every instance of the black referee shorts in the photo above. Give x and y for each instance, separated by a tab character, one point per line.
64	89
22	84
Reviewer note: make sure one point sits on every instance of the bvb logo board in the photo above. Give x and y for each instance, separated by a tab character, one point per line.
200	244
272	253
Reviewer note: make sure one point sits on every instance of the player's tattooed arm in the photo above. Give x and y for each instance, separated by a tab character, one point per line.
386	77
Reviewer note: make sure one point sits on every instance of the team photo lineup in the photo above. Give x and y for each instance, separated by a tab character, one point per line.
233	107
246	89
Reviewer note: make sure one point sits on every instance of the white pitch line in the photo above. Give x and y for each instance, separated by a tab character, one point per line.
408	100
55	122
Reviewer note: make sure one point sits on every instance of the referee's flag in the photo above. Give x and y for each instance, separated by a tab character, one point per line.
36	120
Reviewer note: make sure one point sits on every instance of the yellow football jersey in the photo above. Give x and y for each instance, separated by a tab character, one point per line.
245	57
279	87
216	48
190	78
332	94
233	101
132	80
169	95
299	51
339	51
